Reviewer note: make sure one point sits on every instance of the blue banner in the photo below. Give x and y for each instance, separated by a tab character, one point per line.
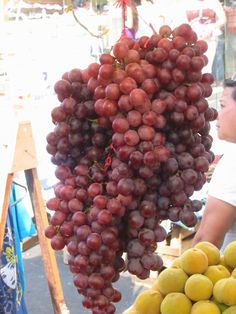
18	226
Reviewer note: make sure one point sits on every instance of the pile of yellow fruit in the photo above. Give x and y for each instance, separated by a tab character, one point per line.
200	281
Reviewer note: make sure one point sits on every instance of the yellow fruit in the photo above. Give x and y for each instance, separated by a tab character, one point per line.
216	272
155	285
172	280
221	306
224	291
230	255
176	262
218	290
194	261
230	310
222	262
205	307
233	273
175	303
148	301
212	252
198	287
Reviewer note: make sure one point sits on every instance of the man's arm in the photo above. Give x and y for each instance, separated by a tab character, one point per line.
217	218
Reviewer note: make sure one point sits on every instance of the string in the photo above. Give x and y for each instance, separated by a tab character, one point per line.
71	9
123	4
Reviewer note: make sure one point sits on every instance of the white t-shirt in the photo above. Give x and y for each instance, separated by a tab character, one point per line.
223	185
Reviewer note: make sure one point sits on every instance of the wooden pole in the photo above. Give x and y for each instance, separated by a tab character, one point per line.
48	256
4	210
3	17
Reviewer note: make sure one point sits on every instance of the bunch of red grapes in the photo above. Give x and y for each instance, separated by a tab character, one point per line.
131	143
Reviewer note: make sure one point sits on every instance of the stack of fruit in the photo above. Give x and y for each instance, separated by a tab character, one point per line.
200	281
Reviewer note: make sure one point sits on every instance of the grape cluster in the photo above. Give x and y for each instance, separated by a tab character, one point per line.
131	144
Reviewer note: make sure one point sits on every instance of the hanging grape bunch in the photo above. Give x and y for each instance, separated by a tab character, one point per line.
131	143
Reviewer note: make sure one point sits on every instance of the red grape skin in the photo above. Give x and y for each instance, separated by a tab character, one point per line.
120	50
57	243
